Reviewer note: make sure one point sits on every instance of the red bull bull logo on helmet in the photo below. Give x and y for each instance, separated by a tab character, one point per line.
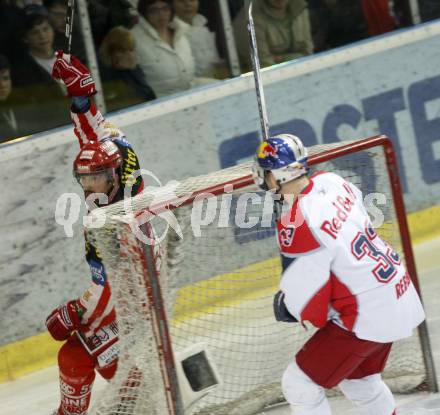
266	150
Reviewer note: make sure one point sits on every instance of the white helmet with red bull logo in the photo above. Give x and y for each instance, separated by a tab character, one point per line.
284	155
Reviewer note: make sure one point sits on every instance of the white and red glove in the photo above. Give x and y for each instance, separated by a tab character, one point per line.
75	75
63	320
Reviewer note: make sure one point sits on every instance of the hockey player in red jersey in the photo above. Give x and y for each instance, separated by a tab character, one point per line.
339	275
102	167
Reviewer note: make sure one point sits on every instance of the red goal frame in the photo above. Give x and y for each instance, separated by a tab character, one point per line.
151	273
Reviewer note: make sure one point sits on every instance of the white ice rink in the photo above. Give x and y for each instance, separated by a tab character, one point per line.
37	394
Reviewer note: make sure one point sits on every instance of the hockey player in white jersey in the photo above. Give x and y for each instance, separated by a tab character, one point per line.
340	276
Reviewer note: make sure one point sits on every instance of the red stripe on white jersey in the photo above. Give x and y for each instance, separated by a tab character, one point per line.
301	238
89	125
99	308
93	110
316	310
102	304
84	131
344	302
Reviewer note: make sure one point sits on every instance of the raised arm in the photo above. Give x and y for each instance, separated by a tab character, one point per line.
89	123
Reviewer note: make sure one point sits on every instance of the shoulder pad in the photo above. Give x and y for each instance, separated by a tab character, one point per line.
295	237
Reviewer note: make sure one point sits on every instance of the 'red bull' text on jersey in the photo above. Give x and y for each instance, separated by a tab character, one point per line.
337	268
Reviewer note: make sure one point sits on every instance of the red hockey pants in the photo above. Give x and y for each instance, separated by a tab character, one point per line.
77	373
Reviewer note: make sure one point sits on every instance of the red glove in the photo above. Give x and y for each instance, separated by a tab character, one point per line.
63	320
75	76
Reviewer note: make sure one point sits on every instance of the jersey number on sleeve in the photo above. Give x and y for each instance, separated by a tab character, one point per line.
363	245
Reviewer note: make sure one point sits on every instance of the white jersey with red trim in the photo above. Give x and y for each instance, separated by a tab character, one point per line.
336	267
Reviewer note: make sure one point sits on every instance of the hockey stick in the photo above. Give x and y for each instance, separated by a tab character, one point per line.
257	76
69	28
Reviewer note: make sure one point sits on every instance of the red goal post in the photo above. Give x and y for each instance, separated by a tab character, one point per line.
212	292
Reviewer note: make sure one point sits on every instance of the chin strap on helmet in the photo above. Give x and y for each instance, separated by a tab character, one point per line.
259	176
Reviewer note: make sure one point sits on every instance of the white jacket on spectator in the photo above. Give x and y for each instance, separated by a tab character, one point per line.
168	70
203	45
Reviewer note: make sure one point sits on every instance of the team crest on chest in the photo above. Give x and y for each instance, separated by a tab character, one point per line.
286	235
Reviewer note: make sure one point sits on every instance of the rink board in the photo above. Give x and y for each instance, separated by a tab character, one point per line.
38	393
348	93
16	360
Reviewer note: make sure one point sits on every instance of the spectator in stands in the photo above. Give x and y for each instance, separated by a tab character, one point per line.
341	22
429	9
123	80
318	24
106	14
401	10
99	15
57	10
122	13
235	7
8	116
32	69
10	17
18	114
378	16
163	49
203	44
282	29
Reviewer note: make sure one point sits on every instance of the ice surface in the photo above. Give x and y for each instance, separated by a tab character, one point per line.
37	393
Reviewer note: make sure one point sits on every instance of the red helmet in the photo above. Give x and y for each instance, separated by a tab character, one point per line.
97	156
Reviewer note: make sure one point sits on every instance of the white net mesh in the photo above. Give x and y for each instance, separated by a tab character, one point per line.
139	367
218	283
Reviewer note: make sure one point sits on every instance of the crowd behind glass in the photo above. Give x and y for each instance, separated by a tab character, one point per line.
147	49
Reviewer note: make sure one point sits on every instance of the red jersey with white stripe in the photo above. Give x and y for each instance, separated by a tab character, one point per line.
96	301
336	267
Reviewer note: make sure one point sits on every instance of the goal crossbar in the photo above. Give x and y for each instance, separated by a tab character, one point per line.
175	274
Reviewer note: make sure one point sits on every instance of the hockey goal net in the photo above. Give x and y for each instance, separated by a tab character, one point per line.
213	285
